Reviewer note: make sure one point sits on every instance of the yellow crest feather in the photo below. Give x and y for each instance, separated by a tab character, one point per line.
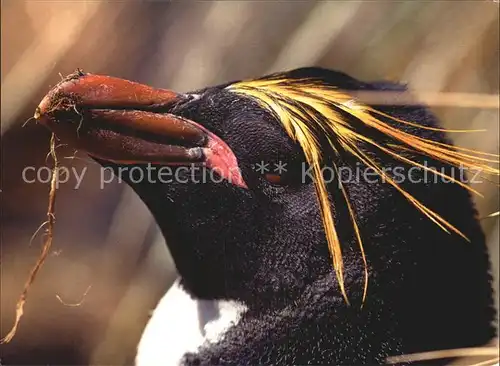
304	106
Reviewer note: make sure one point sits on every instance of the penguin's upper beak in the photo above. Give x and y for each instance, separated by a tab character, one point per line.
121	121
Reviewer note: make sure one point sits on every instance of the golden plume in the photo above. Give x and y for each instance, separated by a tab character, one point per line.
310	110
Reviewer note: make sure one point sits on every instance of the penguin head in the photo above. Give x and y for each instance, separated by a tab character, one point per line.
228	172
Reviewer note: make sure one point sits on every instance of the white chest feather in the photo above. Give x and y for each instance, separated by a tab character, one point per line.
181	324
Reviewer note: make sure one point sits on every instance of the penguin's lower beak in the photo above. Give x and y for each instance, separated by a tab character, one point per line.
120	121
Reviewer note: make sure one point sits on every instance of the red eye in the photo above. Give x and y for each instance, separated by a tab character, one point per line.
274	178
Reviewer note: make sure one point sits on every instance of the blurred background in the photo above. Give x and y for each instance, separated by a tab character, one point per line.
109	266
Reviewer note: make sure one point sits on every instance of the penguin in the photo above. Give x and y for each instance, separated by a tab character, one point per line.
307	226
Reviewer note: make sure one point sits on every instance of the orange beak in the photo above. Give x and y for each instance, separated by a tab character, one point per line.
121	121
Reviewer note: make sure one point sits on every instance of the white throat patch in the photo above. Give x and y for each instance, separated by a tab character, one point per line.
181	324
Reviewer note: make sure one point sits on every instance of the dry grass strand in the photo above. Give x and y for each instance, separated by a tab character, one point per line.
436	355
79	303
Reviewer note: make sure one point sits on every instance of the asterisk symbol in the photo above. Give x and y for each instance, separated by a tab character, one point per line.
262	167
280	168
351	104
